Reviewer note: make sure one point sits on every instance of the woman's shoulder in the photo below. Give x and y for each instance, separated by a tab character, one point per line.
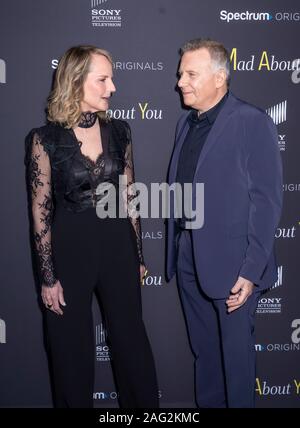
120	123
41	132
122	127
45	135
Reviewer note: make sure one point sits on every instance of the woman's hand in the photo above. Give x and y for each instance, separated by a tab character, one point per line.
53	297
143	273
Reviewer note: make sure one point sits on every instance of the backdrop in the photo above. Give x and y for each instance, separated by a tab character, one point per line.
144	37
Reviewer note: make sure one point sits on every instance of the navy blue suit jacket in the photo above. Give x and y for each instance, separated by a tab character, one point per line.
240	166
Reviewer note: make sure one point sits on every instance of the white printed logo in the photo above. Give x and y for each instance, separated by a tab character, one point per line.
278	112
2	71
2	331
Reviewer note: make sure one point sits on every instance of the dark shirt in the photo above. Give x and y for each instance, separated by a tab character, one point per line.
200	126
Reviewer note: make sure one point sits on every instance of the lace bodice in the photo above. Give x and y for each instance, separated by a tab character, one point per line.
59	173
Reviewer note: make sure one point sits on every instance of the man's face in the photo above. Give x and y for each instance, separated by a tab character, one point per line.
197	81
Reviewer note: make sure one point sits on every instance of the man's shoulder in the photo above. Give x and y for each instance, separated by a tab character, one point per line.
250	111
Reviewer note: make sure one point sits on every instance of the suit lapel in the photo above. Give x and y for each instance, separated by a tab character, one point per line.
177	149
217	129
212	138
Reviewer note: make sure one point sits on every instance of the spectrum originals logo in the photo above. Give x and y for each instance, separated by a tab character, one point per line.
134	65
292	345
259	16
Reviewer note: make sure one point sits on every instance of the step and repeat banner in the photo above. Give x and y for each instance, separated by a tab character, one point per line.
144	37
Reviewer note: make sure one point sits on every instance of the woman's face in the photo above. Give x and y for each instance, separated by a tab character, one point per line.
98	86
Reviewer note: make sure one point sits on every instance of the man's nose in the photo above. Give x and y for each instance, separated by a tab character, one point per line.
181	82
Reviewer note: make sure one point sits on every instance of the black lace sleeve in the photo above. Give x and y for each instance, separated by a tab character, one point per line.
132	195
39	180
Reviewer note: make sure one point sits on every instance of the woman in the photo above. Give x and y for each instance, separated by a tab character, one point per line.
78	252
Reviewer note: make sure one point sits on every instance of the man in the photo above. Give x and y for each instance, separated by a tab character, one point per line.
222	267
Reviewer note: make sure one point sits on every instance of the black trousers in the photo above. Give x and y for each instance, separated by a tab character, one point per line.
98	255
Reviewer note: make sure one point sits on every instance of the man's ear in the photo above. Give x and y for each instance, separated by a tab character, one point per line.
220	78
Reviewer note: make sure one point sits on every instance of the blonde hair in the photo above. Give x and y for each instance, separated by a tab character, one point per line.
64	99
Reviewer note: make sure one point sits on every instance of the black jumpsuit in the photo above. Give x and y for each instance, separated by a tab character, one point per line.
88	254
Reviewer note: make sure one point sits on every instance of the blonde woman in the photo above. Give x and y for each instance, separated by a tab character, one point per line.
78	252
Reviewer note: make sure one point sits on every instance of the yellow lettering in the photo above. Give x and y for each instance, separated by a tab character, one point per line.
258	387
143	109
233	57
297	386
264	64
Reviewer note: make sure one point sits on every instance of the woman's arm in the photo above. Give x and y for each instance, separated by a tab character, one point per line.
39	174
132	195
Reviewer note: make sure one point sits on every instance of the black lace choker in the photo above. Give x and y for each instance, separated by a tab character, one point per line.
87	119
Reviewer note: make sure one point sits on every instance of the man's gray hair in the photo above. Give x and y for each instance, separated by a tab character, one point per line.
218	53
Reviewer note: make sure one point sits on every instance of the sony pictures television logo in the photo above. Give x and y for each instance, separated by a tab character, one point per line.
102	349
102	16
271	305
278	283
278	113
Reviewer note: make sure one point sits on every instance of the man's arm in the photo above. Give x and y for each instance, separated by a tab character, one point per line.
264	170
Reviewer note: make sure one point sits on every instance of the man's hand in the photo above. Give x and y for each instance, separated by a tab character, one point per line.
240	292
53	297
